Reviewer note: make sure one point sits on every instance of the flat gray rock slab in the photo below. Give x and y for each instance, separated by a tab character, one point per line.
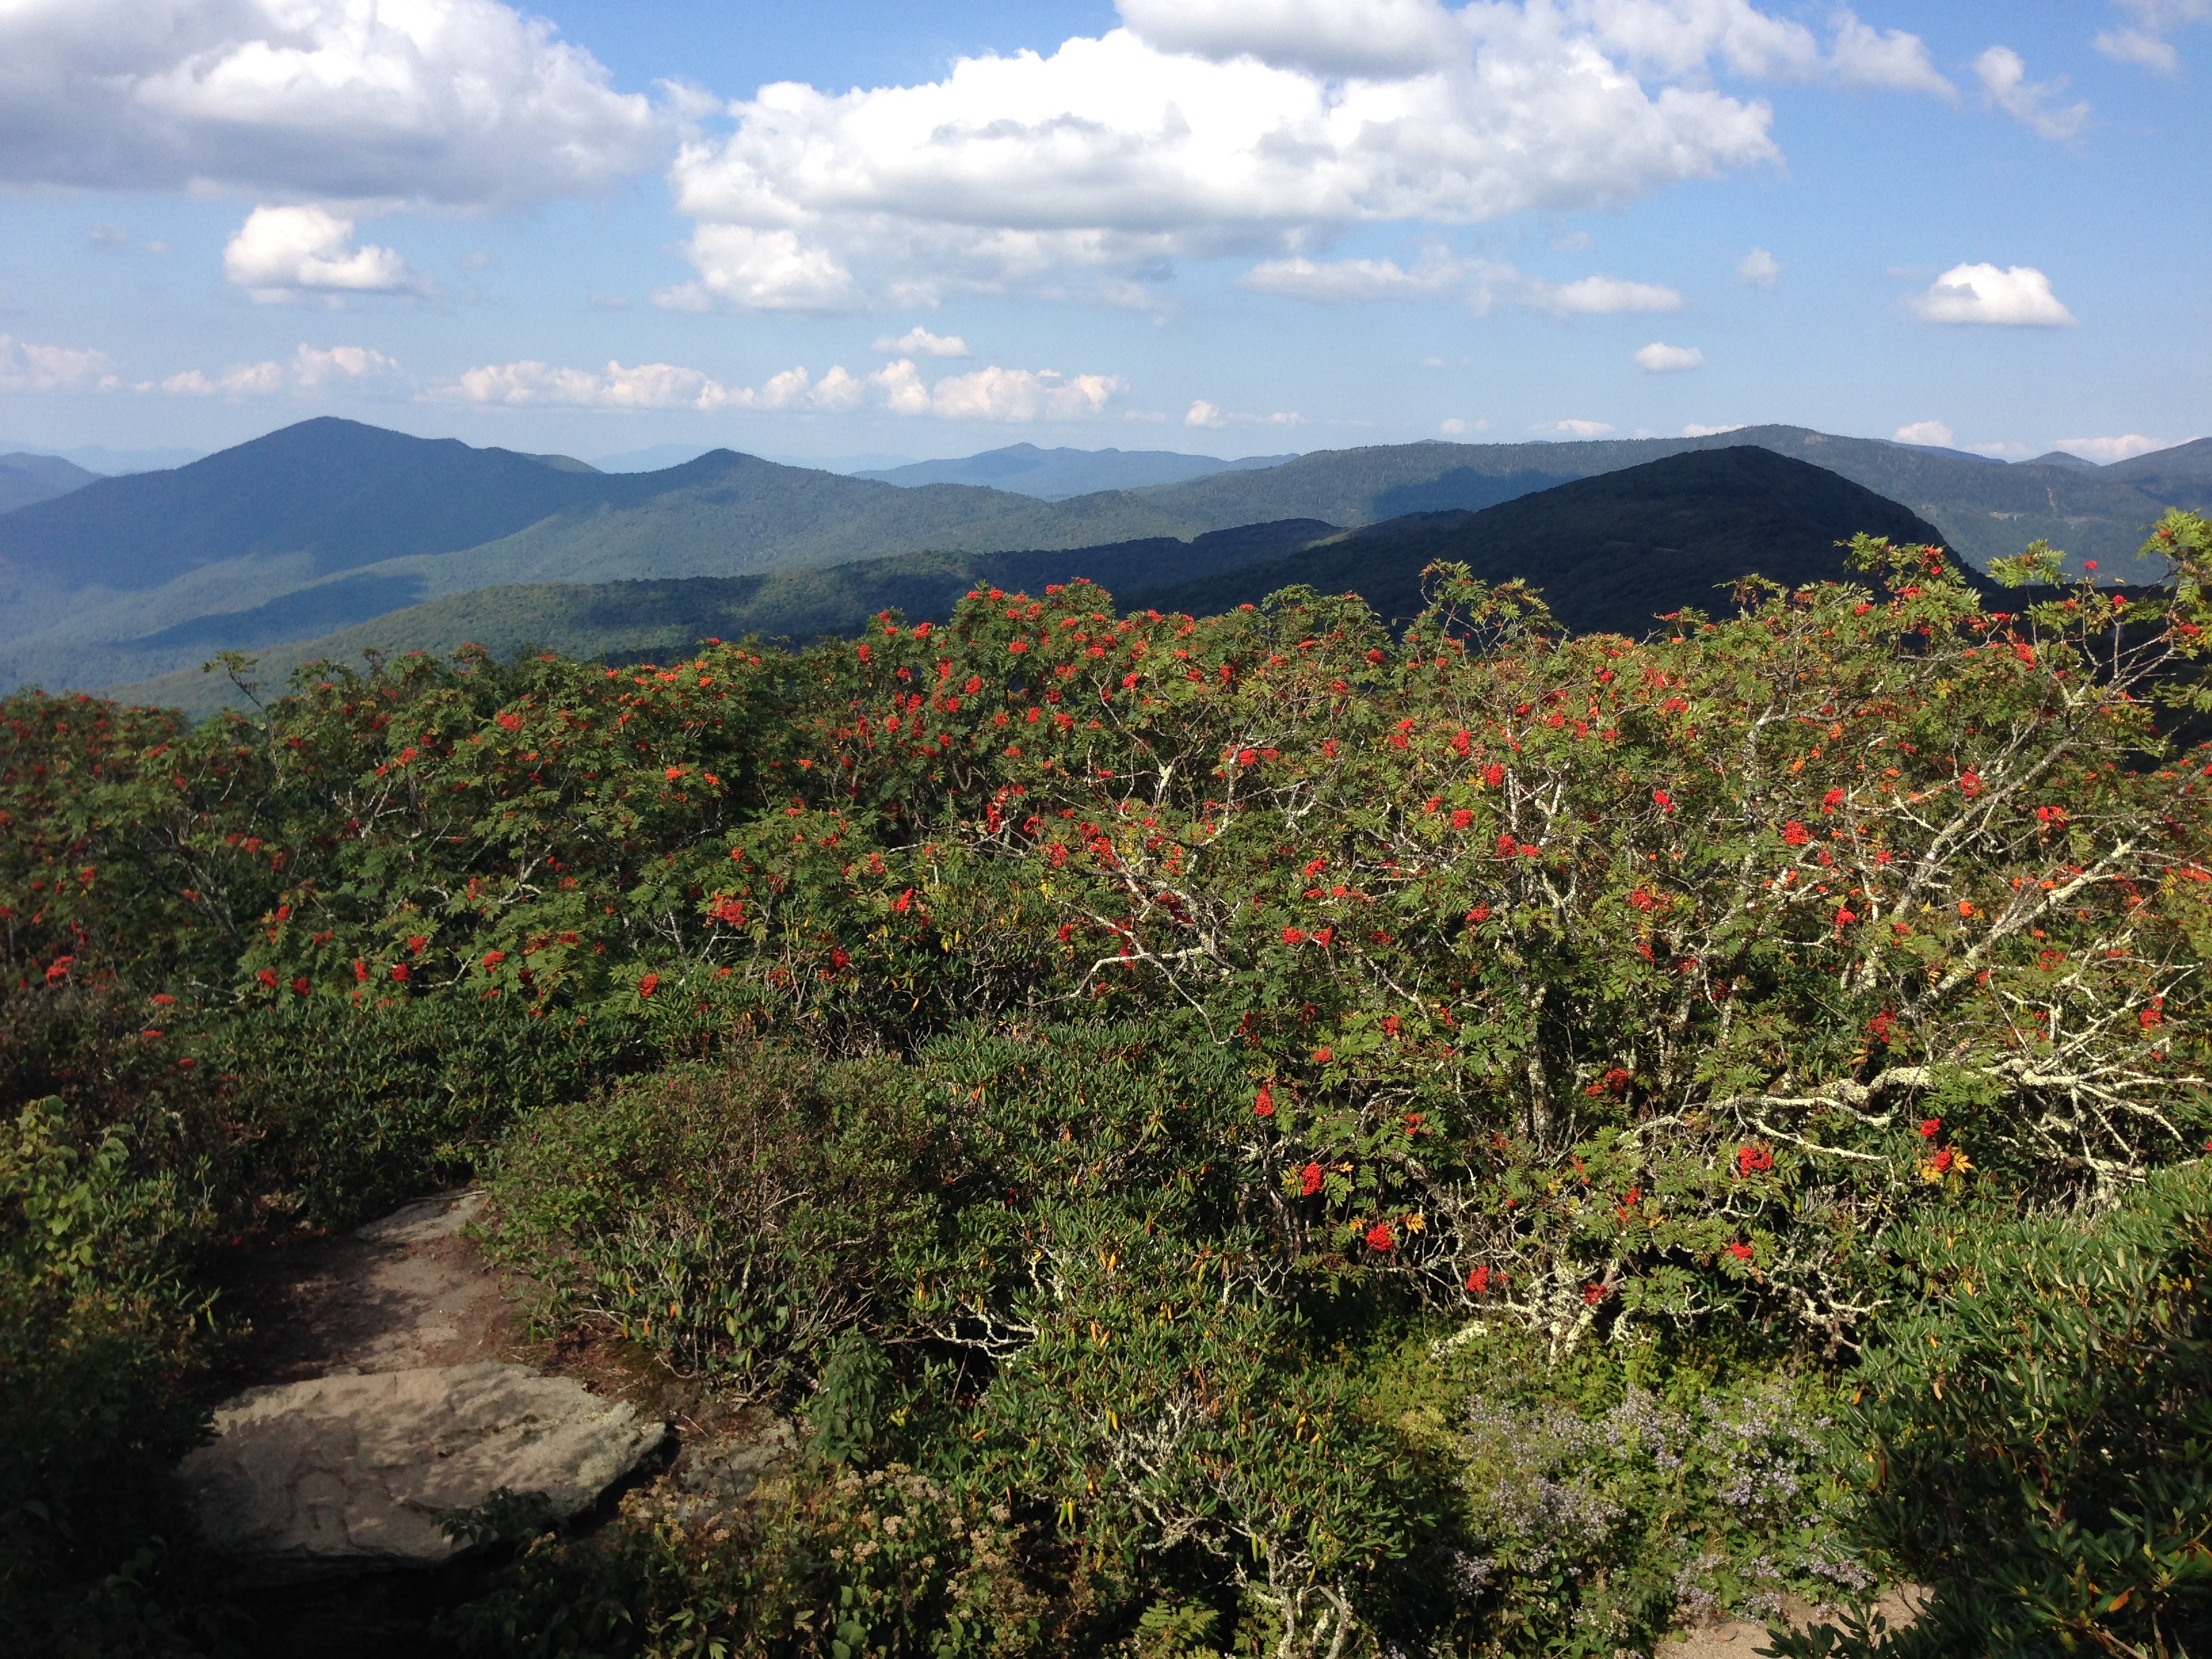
349	1472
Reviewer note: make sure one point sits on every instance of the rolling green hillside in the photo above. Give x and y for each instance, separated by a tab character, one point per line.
747	514
1608	553
664	618
345	494
2180	476
27	478
1053	474
331	523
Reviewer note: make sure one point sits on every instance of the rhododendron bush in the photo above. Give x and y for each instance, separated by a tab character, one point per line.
1624	979
1598	989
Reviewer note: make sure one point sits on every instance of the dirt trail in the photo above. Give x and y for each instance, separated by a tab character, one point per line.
1739	1638
401	1294
404	1292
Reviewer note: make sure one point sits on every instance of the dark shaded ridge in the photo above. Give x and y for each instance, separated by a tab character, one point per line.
806	606
1608	553
1985	511
661	619
289	616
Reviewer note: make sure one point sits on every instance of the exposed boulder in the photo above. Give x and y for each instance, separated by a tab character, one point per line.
352	1472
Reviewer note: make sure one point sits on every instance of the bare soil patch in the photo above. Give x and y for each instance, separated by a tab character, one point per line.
409	1291
1739	1638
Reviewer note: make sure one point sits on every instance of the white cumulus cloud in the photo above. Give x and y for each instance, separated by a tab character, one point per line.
1015	394
919	341
2019	296
1932	434
2006	86
646	386
311	368
460	102
1204	413
1602	294
1660	358
757	269
1887	58
1694	430
1379	39
27	368
1579	428
2146	43
1119	154
2134	46
990	394
239	381
1760	268
289	252
2106	450
1439	274
1680	37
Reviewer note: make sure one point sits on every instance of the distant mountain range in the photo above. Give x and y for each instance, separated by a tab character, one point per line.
630	620
1985	510
2180	476
25	478
1054	475
106	463
328	524
1609	553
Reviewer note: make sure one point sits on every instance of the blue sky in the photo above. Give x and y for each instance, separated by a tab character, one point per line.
1228	225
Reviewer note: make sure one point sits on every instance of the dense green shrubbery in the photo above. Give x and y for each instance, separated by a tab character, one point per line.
2041	1417
1100	1344
95	1322
735	1218
1201	1013
105	1171
353	1108
1099	1329
837	1560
